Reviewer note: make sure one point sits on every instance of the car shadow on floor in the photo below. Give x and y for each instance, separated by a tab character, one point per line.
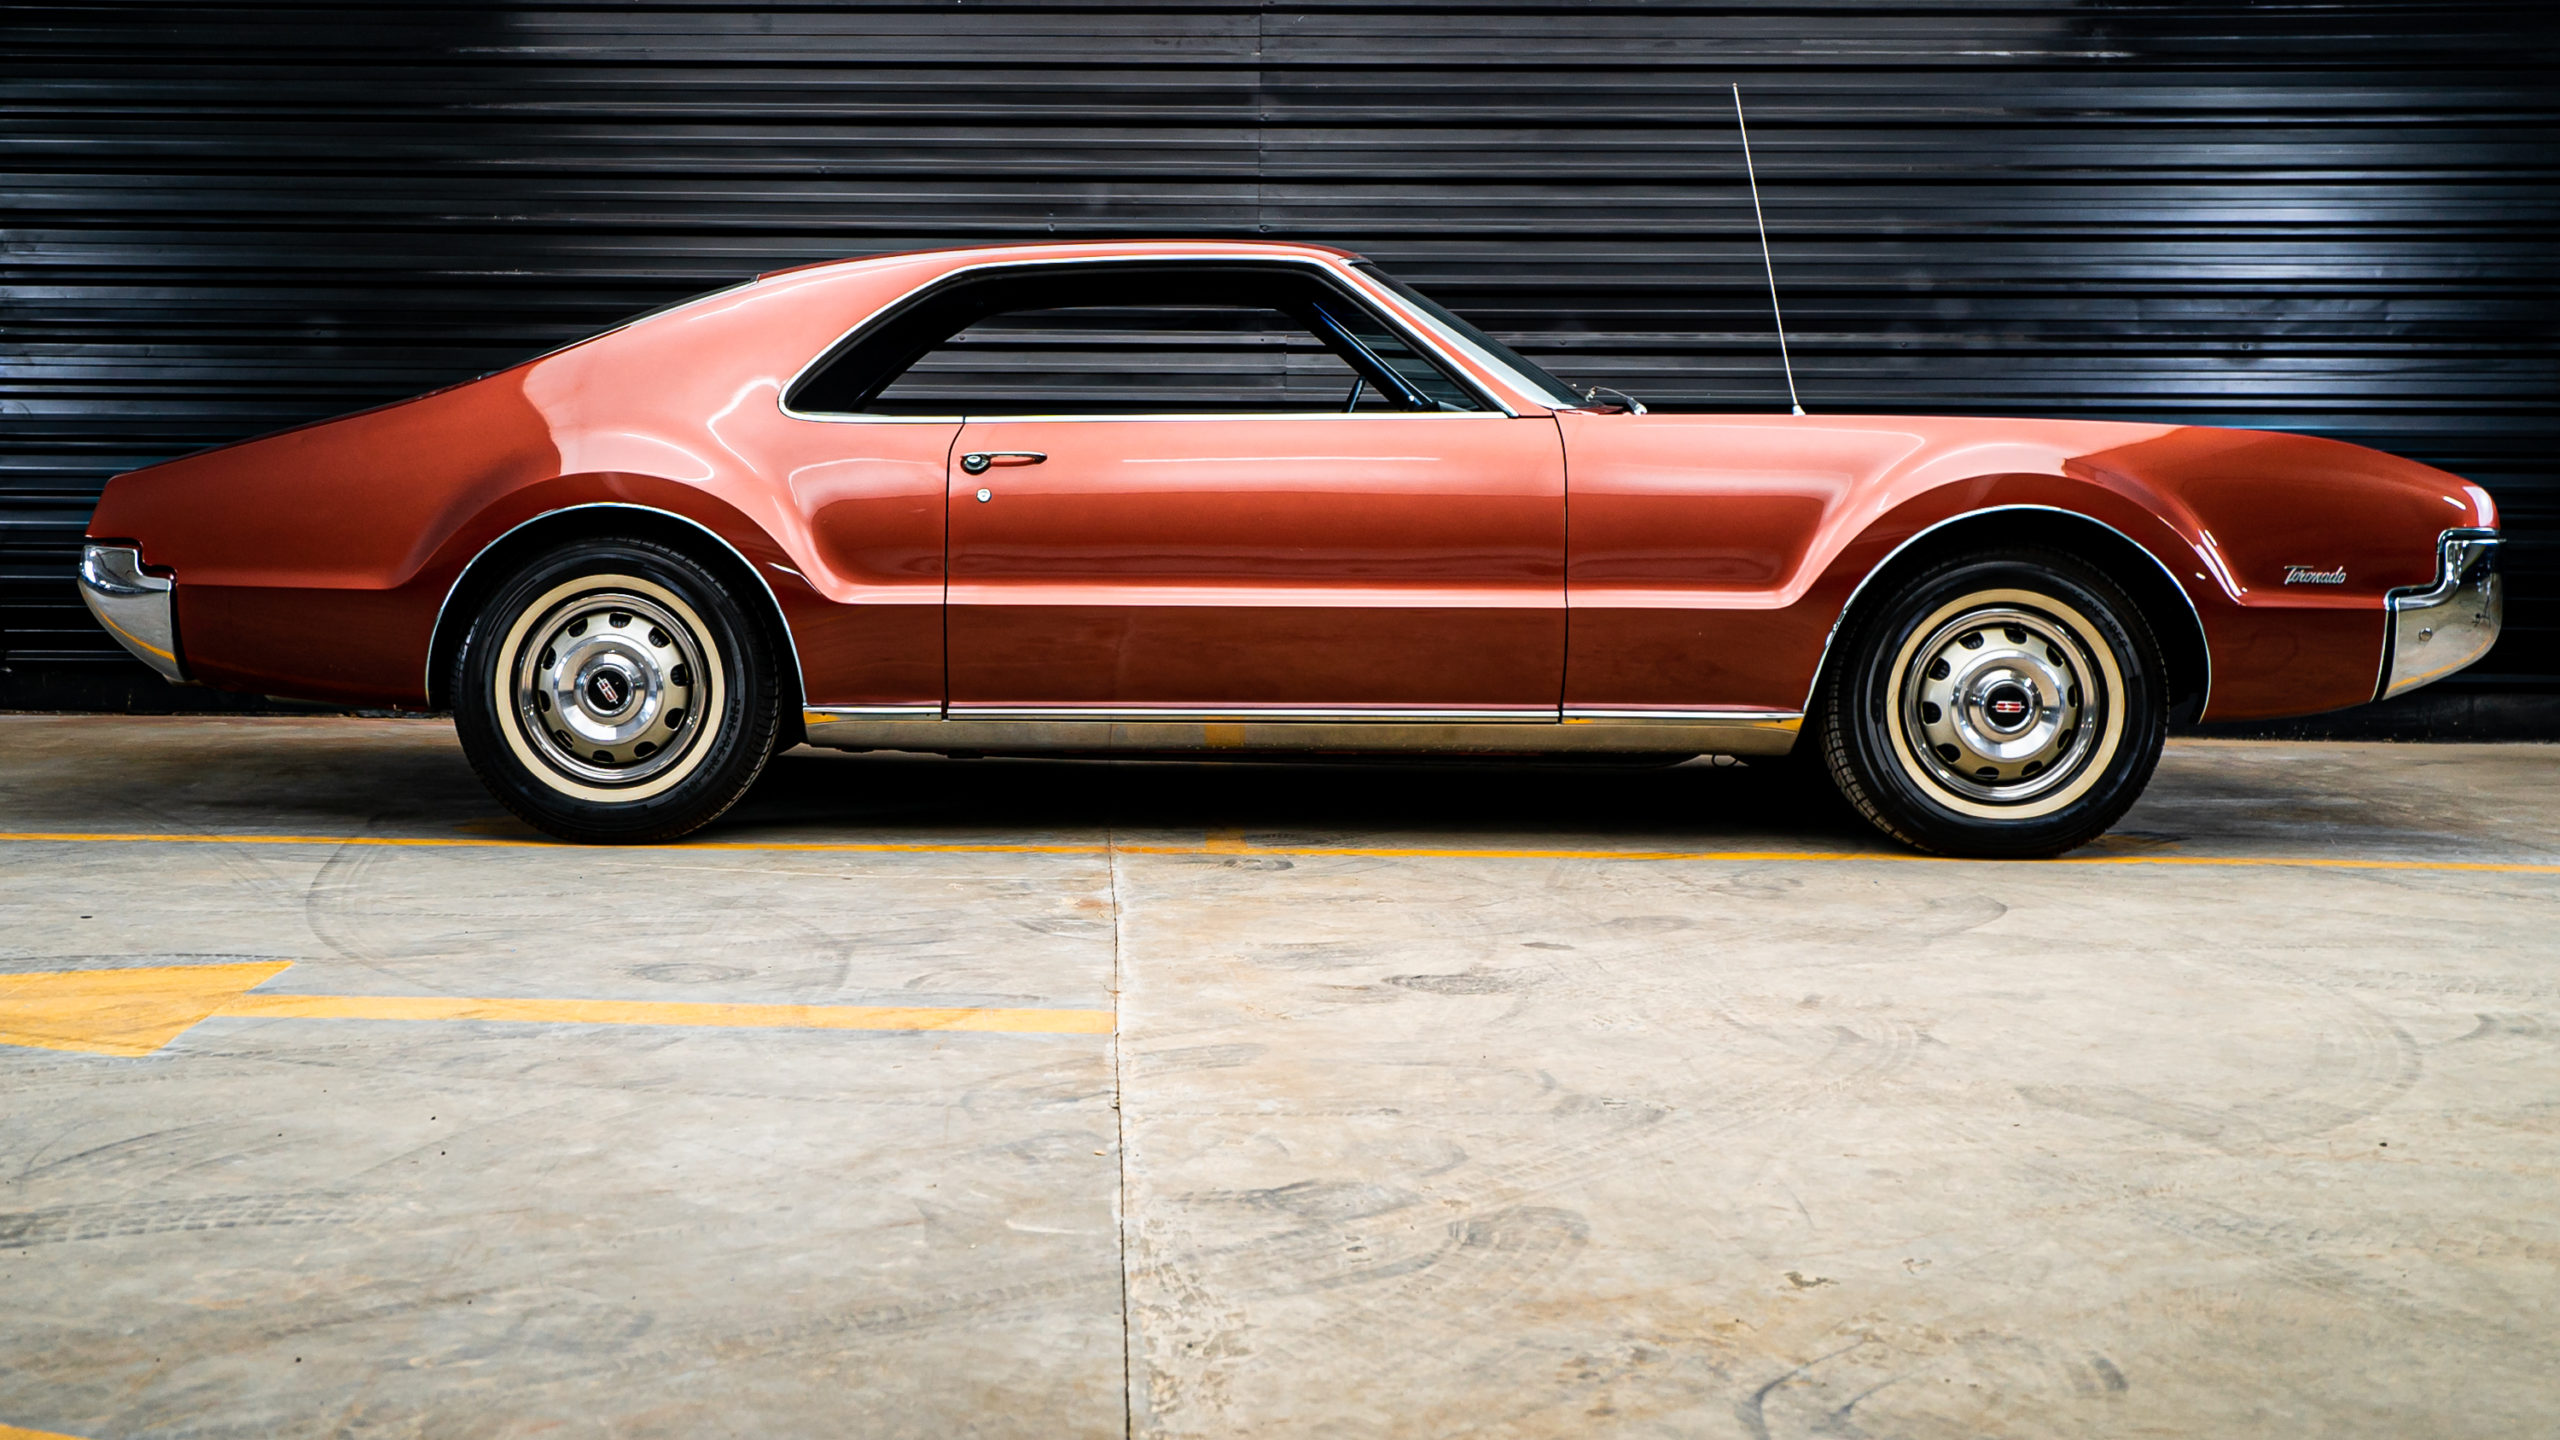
1302	802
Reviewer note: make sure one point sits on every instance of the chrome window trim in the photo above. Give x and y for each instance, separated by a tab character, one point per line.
1337	272
435	632
1519	384
1225	416
1157	419
2205	701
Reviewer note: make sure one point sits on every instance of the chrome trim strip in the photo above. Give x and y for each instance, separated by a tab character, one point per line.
1735	736
2205	703
137	608
826	714
1183	415
1642	715
1259	714
1451	340
435	632
2460	614
1341	273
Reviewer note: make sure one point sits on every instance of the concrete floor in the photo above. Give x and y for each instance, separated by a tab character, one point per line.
1441	1102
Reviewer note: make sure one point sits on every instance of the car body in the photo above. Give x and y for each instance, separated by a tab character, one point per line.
1518	569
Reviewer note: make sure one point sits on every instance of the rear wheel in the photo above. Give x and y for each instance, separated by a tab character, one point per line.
2003	706
613	691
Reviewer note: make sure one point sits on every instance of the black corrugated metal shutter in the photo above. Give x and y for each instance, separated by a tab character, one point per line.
2336	218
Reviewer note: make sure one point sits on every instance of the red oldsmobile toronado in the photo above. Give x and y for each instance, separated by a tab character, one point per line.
1255	499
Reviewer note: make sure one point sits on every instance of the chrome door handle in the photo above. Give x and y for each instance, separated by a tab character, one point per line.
976	462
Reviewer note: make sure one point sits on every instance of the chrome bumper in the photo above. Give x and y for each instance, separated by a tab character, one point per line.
136	608
2441	628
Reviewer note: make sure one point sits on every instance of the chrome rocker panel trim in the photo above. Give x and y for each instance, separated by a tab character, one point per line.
2438	629
138	609
1301	729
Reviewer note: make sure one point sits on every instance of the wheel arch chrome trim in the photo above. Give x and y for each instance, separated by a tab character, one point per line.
2204	642
773	602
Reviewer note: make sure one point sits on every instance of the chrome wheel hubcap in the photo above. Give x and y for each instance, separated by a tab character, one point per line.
2002	704
606	686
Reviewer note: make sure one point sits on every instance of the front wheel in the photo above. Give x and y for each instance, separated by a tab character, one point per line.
613	691
2005	706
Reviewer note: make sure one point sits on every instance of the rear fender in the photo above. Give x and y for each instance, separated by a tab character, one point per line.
480	555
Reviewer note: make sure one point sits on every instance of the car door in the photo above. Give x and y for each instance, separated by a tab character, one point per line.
1230	490
1398	564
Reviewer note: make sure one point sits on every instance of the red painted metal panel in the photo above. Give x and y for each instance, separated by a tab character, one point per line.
1407	560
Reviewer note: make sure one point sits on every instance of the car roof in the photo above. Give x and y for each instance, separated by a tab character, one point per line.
960	255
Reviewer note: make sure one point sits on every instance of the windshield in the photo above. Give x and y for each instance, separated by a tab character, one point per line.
1524	373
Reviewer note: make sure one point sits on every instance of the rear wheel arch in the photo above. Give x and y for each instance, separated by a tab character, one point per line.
498	561
2175	623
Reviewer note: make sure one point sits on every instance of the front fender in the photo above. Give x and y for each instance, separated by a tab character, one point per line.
2304	538
2095	519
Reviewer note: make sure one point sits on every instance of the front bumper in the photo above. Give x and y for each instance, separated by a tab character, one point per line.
136	608
2438	629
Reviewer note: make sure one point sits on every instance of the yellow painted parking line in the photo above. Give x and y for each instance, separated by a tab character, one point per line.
14	1432
473	842
687	1013
1226	843
136	1010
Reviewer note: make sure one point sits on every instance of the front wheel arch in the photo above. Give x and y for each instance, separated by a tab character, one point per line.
2172	616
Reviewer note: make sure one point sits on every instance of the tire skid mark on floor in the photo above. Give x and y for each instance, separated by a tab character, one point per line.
1197	1342
1378	1299
1498	1242
743	1335
2361	1062
2282	1248
119	1219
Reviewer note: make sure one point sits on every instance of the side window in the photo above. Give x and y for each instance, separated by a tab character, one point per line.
1124	360
1130	339
1423	380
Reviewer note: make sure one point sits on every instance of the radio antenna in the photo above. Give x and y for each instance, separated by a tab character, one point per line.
1767	266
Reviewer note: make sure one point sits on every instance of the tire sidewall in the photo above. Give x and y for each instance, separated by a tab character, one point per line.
1863	734
733	744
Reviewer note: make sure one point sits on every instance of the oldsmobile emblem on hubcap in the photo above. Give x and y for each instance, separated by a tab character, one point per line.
607	691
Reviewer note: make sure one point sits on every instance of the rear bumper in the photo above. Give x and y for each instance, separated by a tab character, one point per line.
138	609
2438	629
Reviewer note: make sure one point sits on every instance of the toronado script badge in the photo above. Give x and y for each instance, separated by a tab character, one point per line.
2313	575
